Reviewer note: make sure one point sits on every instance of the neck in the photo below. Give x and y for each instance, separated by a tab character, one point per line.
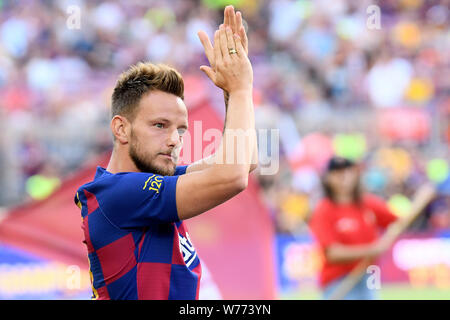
120	161
343	198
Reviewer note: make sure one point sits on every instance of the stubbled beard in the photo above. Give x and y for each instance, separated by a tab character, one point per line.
145	165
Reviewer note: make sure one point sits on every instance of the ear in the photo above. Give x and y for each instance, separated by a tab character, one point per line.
120	127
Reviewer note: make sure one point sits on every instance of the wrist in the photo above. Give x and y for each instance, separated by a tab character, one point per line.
241	91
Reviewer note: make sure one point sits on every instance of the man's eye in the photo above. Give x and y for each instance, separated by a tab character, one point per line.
181	132
159	125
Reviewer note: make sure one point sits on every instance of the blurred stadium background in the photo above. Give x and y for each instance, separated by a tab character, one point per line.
326	80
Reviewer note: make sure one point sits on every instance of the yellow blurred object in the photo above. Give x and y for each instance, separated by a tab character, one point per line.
407	34
418	277
249	7
296	206
293	211
437	276
396	160
420	90
40	187
161	17
441	274
305	255
411	4
400	205
35	278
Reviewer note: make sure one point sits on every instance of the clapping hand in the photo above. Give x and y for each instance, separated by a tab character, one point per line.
229	67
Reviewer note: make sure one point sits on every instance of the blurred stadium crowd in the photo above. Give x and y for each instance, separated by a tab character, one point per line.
331	82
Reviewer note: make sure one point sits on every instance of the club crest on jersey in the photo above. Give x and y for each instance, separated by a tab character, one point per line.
187	249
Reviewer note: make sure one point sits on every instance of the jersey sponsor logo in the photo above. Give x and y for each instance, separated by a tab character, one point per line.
153	183
187	249
347	225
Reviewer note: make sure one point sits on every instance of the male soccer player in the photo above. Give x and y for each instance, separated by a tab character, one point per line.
133	211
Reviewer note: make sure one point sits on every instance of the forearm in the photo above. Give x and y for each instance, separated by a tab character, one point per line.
338	253
239	138
207	162
254	162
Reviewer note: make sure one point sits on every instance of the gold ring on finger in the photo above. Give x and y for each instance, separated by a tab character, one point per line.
232	50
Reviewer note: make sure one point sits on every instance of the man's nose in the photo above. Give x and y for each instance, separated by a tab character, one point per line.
174	138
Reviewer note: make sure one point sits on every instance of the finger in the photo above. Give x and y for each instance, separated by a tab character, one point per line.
226	17
238	20
223	44
206	43
209	72
239	47
244	39
232	19
217	51
241	31
230	40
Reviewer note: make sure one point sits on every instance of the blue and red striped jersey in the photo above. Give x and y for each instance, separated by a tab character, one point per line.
137	246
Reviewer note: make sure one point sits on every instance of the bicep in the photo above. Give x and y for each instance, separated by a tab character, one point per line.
199	191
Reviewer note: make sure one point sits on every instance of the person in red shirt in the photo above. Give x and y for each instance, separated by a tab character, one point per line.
347	225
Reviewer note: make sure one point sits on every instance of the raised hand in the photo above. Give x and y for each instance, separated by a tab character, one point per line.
232	70
235	23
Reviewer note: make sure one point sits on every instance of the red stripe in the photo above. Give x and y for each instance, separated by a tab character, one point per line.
103	293
117	258
92	203
87	237
182	229
153	280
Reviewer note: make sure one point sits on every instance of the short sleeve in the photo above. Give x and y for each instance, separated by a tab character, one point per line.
382	213
321	226
138	199
180	170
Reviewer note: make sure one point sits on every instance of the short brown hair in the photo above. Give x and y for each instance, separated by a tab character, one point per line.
140	79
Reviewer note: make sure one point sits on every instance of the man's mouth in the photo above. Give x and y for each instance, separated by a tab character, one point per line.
167	156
